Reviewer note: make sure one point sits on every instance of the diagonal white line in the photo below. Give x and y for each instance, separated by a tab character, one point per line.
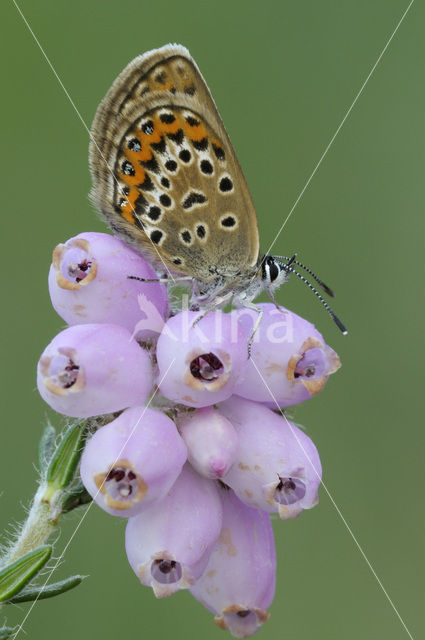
74	106
83	517
339	128
338	510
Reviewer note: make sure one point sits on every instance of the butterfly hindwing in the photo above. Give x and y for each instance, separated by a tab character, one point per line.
164	171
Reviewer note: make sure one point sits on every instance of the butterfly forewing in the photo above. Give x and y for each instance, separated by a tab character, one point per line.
164	172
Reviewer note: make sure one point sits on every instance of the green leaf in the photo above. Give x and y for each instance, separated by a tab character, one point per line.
15	576
48	591
46	446
65	459
7	632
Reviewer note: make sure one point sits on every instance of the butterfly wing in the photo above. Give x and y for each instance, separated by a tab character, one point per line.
165	175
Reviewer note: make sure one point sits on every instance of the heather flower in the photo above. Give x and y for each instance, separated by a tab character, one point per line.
290	361
133	461
238	583
277	467
169	545
88	282
200	364
93	369
211	441
199	467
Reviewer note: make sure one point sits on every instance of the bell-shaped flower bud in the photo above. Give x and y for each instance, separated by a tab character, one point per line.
211	441
204	359
169	545
131	463
277	466
92	369
290	361
238	583
88	282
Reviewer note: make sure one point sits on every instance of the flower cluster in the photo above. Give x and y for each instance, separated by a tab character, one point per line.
196	455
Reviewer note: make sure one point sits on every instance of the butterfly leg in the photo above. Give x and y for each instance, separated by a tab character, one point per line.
259	311
276	304
217	303
165	279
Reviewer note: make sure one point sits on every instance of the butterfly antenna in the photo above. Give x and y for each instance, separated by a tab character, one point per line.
320	282
316	293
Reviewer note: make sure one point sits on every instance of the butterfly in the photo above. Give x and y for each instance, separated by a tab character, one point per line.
167	180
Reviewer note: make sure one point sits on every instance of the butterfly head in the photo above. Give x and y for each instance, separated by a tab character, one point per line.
274	273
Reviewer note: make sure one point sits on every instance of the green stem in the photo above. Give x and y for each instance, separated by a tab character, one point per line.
41	521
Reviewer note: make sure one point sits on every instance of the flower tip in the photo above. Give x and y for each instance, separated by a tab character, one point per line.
167	575
217	467
242	622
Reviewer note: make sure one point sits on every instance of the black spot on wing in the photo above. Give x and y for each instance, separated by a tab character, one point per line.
134	144
156	236
141	204
193	198
154	213
228	222
225	184
200	231
127	168
171	165
161	77
147	184
177	137
186	236
192	122
147	127
219	152
206	167
167	118
160	146
185	155
165	200
151	165
200	145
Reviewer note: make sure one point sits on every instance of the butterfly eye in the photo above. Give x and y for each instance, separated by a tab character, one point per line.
273	271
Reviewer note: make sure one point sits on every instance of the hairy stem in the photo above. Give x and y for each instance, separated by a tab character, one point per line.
41	521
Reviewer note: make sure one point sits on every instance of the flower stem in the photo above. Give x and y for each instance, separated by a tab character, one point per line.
41	522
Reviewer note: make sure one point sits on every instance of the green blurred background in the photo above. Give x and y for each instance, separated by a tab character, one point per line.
283	75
